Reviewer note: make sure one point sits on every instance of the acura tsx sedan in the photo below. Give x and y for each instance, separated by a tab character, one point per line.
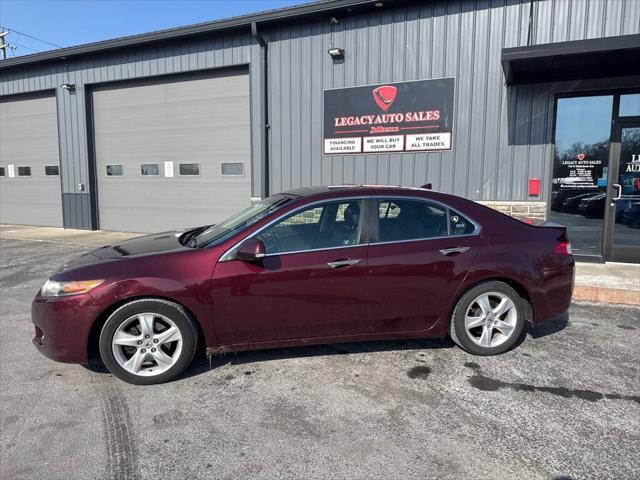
309	266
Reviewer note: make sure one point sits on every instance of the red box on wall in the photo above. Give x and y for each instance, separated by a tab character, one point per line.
534	186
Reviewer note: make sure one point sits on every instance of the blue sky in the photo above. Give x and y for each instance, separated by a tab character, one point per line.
73	22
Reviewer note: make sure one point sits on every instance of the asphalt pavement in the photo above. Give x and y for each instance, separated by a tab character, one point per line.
564	404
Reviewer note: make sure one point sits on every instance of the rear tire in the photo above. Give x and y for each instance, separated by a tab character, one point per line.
489	319
148	341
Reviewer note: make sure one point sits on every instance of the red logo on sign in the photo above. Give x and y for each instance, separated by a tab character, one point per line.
638	183
581	156
384	96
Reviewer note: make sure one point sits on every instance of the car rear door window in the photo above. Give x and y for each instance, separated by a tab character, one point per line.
329	225
407	219
401	220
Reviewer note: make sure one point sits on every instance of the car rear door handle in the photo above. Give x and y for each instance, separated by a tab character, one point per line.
344	263
450	251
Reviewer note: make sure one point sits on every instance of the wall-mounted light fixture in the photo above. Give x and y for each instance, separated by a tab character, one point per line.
70	87
336	53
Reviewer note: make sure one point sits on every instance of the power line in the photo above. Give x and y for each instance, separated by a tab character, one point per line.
30	36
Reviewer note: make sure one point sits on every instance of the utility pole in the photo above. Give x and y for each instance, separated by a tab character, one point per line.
3	44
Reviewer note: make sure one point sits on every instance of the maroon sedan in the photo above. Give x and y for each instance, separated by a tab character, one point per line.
310	266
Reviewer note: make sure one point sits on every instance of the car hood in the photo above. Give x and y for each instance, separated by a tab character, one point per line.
148	244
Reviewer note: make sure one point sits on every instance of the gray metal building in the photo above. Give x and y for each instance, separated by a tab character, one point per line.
179	127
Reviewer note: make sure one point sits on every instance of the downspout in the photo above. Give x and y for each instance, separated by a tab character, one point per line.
264	110
530	32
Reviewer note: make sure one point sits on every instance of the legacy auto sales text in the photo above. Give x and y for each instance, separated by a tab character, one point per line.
387	118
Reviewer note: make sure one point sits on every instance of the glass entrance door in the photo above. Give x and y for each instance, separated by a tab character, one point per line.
624	204
581	171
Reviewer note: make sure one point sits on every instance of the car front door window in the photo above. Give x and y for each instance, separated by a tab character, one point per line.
329	225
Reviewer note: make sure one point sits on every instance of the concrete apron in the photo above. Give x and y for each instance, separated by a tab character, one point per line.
608	283
602	283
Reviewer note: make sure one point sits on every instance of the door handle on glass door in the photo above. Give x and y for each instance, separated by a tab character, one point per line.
450	251
619	187
344	263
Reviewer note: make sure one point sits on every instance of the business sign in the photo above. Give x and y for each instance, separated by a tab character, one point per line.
392	117
581	170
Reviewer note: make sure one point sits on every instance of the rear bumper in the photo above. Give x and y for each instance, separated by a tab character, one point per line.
62	326
553	297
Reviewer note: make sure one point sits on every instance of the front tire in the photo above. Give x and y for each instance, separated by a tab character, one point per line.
489	319
148	341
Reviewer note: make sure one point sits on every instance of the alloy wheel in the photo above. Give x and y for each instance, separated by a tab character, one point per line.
491	319
147	344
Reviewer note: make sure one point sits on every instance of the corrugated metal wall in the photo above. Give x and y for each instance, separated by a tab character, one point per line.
502	136
127	65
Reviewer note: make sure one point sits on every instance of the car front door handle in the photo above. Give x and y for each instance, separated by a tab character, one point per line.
344	263
451	251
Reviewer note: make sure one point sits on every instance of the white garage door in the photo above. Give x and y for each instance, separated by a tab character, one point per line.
172	154
30	191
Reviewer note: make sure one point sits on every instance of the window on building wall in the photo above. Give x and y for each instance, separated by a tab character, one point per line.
630	105
189	169
51	170
2	174
150	169
24	171
233	169
115	170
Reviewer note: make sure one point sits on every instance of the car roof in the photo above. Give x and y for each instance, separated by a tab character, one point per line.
352	189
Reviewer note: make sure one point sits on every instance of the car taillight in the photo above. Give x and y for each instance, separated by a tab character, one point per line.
563	248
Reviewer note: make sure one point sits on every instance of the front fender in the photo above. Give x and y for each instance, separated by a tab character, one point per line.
195	298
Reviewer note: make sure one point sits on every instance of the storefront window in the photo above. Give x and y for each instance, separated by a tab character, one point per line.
630	105
581	163
626	230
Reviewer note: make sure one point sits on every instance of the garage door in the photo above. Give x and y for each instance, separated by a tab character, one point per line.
172	154
30	192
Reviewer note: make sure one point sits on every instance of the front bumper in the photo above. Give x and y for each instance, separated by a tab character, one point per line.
62	326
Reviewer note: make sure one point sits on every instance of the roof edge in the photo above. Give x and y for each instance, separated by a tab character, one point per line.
213	27
573	47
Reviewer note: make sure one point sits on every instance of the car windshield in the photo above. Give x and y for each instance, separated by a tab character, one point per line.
238	222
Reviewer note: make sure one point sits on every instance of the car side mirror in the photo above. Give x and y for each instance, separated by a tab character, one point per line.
251	250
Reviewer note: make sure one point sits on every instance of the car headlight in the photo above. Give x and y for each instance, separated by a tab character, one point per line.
52	288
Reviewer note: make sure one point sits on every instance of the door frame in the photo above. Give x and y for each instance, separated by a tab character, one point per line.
620	253
616	120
